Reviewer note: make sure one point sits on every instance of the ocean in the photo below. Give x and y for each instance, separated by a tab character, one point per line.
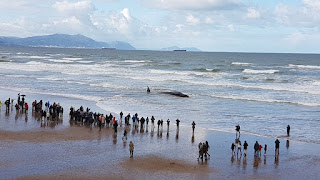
262	92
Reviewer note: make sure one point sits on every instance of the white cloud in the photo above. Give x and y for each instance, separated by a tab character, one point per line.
252	14
194	4
312	9
208	20
192	20
231	27
19	4
126	13
74	8
75	13
314	4
295	38
68	21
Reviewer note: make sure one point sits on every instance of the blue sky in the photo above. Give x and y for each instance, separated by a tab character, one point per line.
210	25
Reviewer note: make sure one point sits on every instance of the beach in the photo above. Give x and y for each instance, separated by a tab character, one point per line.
31	150
262	92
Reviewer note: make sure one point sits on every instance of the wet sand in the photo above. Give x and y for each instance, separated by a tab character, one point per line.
66	150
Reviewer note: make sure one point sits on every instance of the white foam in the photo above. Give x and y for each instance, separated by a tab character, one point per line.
17	76
76	82
37	57
317	83
314	104
108	85
252	71
241	64
72	59
304	66
180	73
52	79
77	96
85	62
60	60
137	61
19	53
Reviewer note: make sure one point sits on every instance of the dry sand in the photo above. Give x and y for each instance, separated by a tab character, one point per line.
157	163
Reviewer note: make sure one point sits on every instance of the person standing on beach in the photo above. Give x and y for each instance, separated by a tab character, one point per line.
99	124
245	147
133	121
239	147
0	105
131	148
256	148
124	138
168	123
7	102
207	148
232	148
277	143
115	127
178	121
193	126
200	146
121	115
288	130
265	148
159	122
26	107
260	149
238	130
147	121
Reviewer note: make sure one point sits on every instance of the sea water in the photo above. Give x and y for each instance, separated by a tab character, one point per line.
261	92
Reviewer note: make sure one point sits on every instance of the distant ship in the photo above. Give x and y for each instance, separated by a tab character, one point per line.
179	50
108	48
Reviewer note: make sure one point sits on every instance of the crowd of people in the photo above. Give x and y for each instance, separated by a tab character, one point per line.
54	112
237	146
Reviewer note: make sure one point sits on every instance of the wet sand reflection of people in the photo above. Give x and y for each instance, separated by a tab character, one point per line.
232	160
239	161
152	132
265	159
287	143
114	138
26	118
192	138
256	162
276	161
244	162
177	135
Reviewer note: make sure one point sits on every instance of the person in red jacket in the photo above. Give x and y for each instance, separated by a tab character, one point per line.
26	106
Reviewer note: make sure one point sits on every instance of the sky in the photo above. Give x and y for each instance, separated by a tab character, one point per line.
210	25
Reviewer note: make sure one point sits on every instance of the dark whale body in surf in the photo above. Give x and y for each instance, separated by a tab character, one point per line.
175	93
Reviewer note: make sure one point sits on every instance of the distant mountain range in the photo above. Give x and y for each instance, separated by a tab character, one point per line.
178	48
63	40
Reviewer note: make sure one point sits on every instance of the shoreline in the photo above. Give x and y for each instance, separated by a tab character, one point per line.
67	102
67	152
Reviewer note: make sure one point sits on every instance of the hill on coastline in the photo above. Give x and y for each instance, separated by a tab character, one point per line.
63	40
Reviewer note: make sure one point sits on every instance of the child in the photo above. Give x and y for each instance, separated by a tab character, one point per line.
232	148
260	148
